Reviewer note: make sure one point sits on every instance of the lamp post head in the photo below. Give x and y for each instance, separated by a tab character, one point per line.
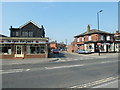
100	10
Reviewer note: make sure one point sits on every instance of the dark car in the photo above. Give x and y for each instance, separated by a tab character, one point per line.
56	51
81	51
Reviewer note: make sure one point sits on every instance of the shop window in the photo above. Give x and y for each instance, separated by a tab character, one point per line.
89	47
5	49
33	49
109	46
102	47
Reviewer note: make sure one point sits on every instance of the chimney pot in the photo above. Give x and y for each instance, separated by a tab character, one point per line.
117	32
88	28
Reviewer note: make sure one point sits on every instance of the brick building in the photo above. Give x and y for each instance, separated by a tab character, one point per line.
27	41
89	39
117	41
55	45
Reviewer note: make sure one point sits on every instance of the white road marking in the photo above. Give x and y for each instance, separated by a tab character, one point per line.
109	61
11	71
64	66
27	69
48	68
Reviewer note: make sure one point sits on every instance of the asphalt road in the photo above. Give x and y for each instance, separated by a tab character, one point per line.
61	73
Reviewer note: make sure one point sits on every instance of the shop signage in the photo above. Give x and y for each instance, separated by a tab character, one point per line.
98	44
22	42
105	43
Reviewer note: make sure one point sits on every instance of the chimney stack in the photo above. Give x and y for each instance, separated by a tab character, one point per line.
117	32
88	28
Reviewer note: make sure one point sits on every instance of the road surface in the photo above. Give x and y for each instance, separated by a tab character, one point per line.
69	71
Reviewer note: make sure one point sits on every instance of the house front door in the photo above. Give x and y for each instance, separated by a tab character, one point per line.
19	51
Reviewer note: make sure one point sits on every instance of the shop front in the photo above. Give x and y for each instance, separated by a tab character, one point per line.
105	47
24	48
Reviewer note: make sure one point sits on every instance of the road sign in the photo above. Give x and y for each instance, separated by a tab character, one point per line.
98	44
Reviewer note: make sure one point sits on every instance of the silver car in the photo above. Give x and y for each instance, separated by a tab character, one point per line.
81	51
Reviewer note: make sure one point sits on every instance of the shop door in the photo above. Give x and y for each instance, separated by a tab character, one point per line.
19	51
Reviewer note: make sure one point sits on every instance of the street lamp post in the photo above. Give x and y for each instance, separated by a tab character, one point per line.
98	25
98	17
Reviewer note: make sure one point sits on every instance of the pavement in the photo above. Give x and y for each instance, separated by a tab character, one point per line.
27	61
96	55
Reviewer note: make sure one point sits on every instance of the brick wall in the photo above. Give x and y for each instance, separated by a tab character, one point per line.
86	38
53	45
95	37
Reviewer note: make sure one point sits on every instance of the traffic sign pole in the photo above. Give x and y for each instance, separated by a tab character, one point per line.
99	48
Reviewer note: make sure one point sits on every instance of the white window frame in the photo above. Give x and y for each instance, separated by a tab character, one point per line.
108	37
82	39
89	38
78	39
102	37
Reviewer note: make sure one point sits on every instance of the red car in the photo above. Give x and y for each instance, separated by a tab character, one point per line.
56	51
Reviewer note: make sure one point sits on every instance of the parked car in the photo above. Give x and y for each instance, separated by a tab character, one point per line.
56	51
81	51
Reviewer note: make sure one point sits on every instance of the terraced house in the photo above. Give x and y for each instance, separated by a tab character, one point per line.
27	41
89	41
117	41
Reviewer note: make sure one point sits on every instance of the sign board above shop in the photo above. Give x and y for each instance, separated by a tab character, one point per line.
103	44
23	42
98	44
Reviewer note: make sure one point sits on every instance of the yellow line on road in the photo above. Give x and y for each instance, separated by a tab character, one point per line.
95	82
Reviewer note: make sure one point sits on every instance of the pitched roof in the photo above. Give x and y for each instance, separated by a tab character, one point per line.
2	35
28	23
93	31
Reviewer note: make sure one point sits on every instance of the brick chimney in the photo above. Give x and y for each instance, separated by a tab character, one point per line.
88	28
117	32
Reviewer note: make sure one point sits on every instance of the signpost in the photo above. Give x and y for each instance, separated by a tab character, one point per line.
99	47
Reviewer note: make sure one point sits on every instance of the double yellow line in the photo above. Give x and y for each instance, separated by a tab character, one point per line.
87	85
